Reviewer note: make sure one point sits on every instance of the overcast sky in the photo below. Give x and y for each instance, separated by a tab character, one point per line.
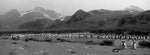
68	7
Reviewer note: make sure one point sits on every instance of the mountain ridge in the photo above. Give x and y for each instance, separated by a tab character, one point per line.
13	18
101	19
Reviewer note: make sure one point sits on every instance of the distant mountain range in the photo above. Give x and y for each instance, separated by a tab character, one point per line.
39	19
14	18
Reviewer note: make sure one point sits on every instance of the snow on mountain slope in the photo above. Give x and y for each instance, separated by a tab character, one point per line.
133	9
51	14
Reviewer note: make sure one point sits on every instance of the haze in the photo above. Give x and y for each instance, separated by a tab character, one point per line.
68	7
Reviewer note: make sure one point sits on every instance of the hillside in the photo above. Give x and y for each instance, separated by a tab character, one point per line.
94	20
14	18
131	18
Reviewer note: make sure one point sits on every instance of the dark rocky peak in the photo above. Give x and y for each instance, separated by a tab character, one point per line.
80	11
79	15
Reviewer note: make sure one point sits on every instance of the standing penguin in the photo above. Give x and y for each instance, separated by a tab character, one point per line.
134	45
123	44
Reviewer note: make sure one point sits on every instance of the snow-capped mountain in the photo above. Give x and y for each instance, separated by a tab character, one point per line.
51	14
13	18
133	9
39	18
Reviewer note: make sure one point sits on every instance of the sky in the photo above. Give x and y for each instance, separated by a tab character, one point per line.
68	7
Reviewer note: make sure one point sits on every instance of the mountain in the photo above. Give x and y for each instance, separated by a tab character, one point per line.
132	18
144	16
13	18
134	8
100	11
94	20
33	18
39	13
10	17
51	14
78	16
139	22
37	25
